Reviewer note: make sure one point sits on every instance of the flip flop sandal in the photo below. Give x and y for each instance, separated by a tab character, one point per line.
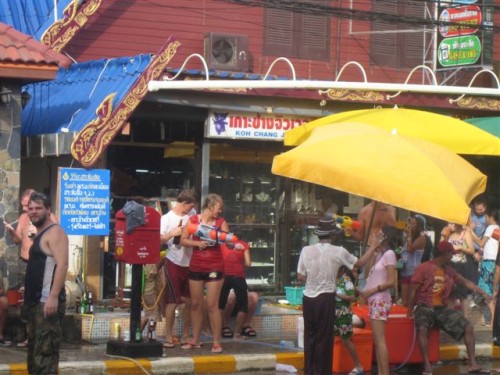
168	344
23	344
479	371
248	332
191	345
4	342
217	349
227	333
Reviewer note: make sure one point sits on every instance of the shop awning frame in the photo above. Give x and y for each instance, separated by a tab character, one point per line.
269	83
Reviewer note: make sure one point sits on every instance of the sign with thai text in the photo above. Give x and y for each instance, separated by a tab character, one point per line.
237	125
84	201
464	50
461	36
458	21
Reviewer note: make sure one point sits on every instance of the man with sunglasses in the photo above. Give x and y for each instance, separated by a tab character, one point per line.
45	295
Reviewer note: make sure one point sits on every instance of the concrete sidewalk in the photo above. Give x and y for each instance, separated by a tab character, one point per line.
238	356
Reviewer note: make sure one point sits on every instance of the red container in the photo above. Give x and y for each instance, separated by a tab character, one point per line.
142	245
363	342
400	336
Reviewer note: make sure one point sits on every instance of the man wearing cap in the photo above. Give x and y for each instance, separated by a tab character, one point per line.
318	267
430	288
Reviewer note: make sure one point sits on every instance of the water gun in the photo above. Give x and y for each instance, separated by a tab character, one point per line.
401	224
346	222
210	234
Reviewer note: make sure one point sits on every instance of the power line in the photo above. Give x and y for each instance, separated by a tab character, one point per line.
321	9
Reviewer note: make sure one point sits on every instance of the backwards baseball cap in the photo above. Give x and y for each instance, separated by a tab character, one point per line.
444	248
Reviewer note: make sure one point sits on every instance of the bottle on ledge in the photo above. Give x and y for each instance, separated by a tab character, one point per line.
90	303
152	330
78	303
177	239
84	302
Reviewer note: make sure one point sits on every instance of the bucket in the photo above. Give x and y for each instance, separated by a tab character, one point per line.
14	297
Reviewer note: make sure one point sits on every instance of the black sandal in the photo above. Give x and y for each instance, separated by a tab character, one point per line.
227	333
248	332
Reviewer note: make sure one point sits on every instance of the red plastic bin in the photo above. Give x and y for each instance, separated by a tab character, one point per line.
400	336
362	340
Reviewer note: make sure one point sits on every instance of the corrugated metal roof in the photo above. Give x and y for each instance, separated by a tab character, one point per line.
31	17
17	47
71	100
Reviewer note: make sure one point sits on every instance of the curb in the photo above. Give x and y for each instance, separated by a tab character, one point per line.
218	363
174	365
457	352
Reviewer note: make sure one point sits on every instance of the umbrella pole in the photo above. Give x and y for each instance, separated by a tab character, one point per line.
367	233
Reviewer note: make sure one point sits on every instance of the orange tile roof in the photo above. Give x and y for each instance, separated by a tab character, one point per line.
16	47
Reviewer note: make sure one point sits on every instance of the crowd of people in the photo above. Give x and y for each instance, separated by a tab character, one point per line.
438	284
206	280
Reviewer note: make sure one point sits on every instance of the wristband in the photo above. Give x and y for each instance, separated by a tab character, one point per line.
378	288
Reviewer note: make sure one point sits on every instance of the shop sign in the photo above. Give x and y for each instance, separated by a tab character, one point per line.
464	50
237	125
461	40
462	20
84	201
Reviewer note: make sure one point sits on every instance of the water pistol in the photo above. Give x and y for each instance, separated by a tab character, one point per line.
401	224
210	234
346	222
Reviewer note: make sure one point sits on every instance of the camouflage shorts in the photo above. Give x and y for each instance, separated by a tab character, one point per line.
451	321
44	340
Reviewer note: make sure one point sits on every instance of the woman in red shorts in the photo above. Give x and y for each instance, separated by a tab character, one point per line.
206	269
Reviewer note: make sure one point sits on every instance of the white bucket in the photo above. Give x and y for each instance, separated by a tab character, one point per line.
300	332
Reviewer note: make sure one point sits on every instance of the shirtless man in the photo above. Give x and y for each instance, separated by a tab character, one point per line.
25	231
384	215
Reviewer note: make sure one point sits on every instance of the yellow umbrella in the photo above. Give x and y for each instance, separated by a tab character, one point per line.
399	170
454	134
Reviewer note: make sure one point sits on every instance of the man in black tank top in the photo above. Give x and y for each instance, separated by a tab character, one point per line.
44	296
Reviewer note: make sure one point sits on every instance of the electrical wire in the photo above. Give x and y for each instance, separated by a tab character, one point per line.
129	359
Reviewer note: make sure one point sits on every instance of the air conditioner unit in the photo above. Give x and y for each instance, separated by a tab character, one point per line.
226	51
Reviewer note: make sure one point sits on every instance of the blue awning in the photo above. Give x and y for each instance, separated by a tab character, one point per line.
31	17
70	101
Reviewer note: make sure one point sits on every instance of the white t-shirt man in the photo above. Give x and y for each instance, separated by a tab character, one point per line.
322	262
177	254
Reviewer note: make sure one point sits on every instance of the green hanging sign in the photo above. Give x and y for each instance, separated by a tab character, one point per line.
457	51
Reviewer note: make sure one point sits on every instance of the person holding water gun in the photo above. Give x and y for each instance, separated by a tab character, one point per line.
206	269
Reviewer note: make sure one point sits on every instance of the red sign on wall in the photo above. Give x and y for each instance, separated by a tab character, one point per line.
462	20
